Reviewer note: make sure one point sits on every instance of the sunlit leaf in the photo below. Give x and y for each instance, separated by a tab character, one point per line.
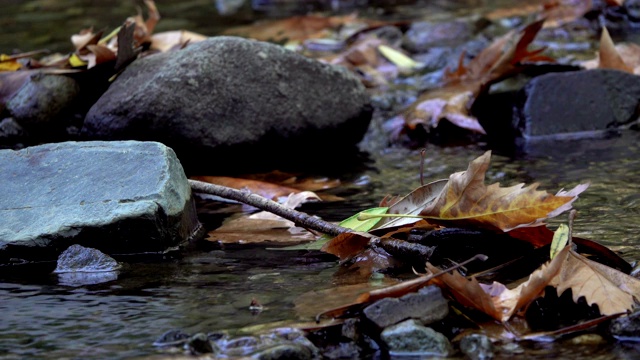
398	58
466	200
76	61
170	40
364	225
8	63
560	240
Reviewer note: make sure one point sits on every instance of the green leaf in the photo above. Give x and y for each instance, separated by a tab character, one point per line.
350	223
560	240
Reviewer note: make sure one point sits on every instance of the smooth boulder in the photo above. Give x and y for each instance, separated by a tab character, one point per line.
240	101
117	197
575	104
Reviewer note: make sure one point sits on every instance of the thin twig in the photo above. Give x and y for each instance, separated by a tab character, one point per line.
246	197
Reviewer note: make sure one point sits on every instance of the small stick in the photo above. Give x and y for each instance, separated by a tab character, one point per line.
246	197
422	156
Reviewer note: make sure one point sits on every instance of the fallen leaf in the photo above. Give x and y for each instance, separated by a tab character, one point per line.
466	200
560	12
9	63
347	245
623	56
177	39
264	189
496	300
613	291
411	204
295	29
453	101
560	240
247	230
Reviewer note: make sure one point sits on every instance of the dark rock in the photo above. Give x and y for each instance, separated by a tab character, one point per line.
81	259
200	344
577	103
175	337
122	197
79	266
632	8
42	99
411	338
284	351
242	102
423	35
626	328
428	305
477	347
11	133
343	350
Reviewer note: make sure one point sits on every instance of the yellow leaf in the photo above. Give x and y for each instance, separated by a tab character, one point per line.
75	61
560	240
397	58
466	200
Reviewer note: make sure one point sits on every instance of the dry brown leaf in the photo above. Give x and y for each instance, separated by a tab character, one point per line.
623	56
244	230
613	291
347	245
466	200
496	300
170	40
264	189
296	29
453	101
559	12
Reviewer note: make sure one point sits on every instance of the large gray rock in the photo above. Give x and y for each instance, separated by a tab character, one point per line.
118	197
428	305
577	103
241	101
411	338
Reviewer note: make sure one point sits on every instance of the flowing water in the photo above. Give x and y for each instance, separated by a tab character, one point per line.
210	290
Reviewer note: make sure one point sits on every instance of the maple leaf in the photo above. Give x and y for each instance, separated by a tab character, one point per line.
453	101
467	200
613	291
496	300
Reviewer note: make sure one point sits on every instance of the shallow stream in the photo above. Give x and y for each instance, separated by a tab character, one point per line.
210	290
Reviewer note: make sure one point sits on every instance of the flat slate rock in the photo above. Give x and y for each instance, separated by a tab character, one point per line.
240	101
578	103
117	197
427	305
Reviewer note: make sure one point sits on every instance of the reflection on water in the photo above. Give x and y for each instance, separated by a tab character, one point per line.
210	291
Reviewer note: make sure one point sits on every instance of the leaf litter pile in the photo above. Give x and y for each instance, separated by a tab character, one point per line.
489	249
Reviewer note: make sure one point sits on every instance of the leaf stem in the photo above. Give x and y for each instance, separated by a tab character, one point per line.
363	217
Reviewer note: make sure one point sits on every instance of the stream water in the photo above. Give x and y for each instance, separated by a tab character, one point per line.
210	290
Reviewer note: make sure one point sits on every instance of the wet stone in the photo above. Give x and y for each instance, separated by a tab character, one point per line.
81	259
284	351
43	98
477	347
117	197
576	103
412	338
428	305
423	35
626	327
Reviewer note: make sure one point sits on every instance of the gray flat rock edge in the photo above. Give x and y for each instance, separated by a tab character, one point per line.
117	197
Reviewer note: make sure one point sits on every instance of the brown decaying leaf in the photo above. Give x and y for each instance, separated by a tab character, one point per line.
245	230
623	56
453	101
613	291
496	300
347	245
173	40
466	200
264	189
297	28
559	12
